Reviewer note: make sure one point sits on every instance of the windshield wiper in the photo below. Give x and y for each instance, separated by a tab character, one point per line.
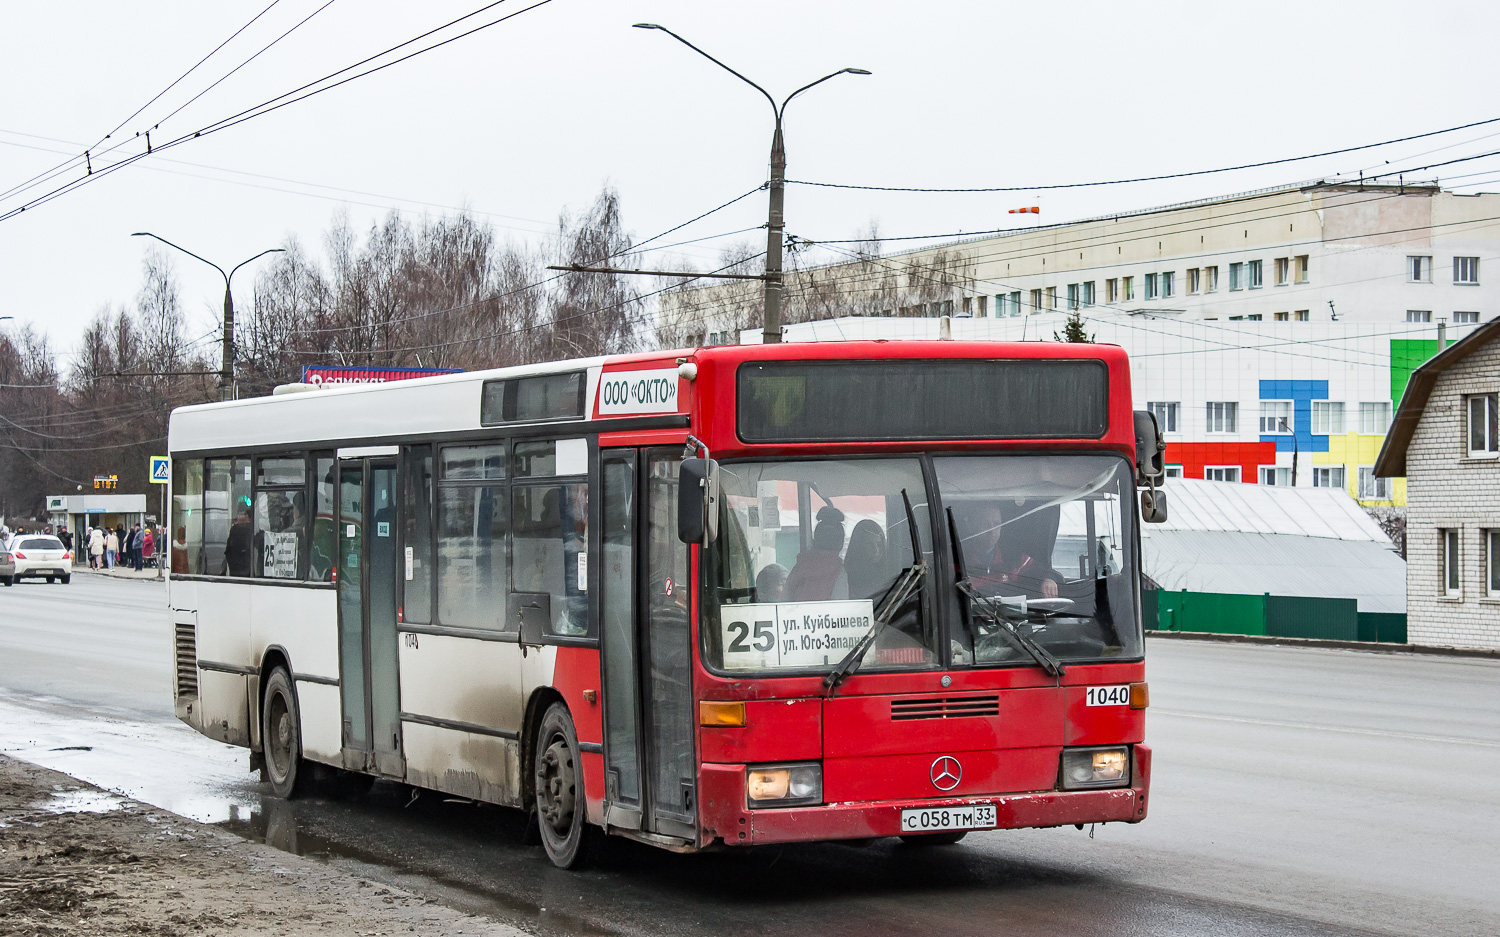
908	584
997	610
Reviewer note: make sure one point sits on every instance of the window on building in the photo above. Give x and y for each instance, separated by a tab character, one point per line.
966	307
1328	417
1452	581
1371	486
1051	298
1301	315
1036	300
1015	303
1419	315
1374	418
1282	316
1086	294
1174	470
1112	290
1194	280
1236	276
1252	275
1254	317
1492	563
1223	416
1151	286
943	308
1283	271
1166	414
1328	477
1127	289
1418	269
1466	270
1483	428
983	302
1221	473
1210	279
1168	285
1072	296
1271	475
1300	265
1275	416
1465	318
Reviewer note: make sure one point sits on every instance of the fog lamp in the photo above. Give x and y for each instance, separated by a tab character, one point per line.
784	785
1095	767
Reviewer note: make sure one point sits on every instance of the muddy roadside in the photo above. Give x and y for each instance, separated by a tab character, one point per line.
78	860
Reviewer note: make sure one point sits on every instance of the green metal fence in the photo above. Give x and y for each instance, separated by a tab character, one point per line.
1281	616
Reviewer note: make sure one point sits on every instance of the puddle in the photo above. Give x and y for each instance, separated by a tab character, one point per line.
82	801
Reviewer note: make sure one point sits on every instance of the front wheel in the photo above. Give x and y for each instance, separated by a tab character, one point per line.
560	804
281	735
935	839
9	580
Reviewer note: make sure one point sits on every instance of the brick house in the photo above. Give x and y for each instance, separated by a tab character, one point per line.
1446	440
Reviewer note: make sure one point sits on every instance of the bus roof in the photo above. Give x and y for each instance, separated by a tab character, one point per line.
366	414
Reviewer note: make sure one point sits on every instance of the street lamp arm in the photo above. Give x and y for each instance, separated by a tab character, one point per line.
842	71
771	100
148	234
273	250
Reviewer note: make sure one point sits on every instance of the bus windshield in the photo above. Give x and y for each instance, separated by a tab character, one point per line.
805	552
1048	541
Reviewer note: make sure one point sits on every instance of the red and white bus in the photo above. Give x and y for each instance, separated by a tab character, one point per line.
719	597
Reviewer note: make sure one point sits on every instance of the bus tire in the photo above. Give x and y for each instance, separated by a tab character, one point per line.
935	839
281	735
560	804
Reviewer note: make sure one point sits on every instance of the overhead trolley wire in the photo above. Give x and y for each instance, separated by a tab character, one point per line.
1156	178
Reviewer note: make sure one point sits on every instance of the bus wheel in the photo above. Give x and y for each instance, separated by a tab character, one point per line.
280	735
935	839
560	804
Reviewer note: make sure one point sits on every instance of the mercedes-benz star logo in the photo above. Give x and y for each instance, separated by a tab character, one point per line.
946	773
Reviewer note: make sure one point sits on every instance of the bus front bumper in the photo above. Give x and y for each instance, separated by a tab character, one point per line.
724	816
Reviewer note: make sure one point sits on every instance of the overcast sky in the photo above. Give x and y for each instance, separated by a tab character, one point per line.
532	116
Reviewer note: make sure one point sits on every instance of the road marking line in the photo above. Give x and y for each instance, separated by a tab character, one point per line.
1348	730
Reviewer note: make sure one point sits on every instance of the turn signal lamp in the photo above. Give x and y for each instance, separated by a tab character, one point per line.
717	713
1140	695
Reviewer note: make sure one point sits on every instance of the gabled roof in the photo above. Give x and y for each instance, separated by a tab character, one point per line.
1325	513
1391	463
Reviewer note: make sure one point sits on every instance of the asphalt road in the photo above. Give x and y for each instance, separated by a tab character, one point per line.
1297	791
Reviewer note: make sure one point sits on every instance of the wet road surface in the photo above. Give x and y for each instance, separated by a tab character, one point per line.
1296	791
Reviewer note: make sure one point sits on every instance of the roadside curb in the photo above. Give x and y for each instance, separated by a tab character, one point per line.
152	576
1379	648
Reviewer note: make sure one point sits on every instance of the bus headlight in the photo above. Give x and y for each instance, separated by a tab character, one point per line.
1095	767
784	785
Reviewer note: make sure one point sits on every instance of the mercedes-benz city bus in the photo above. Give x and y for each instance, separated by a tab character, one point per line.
719	597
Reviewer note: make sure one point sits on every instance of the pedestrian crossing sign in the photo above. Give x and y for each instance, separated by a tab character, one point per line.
160	473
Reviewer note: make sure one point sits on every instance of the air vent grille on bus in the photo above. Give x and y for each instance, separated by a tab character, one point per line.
187	660
951	707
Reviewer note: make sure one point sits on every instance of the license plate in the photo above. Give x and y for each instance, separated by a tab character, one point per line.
967	817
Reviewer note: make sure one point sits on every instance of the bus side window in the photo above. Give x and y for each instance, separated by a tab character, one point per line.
187	516
549	540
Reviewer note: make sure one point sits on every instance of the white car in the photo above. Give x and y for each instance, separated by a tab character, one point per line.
36	556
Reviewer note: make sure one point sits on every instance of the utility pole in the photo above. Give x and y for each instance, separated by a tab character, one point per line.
776	221
226	364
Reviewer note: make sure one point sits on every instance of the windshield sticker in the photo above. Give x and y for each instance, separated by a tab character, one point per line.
792	635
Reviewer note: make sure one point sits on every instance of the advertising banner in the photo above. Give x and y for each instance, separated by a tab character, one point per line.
335	377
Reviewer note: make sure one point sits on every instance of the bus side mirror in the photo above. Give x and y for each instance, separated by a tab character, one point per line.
1150	449
1154	506
698	501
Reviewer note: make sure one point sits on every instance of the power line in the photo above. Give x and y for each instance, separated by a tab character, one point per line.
291	97
1157	178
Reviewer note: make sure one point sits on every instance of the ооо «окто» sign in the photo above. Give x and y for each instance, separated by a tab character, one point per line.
652	391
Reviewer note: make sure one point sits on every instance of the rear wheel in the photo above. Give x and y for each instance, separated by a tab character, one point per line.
935	839
560	803
51	580
281	735
67	578
8	580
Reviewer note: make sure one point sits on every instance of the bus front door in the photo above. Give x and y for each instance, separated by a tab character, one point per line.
367	617
647	646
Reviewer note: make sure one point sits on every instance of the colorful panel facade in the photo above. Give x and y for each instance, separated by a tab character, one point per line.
1194	457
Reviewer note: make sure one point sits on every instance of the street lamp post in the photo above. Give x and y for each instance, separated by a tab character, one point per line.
1295	449
226	366
775	223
